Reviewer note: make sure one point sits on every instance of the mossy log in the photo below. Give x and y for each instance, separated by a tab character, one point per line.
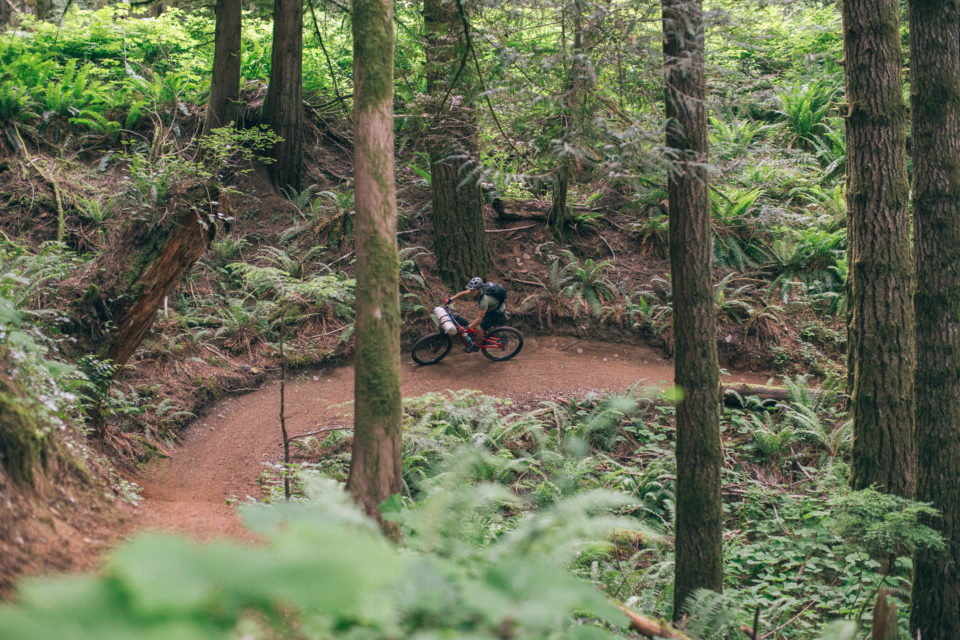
114	300
734	395
510	210
21	440
533	210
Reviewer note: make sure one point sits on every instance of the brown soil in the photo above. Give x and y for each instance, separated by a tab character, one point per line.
223	453
63	523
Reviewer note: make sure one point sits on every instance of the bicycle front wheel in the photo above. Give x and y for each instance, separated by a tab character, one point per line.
432	348
502	343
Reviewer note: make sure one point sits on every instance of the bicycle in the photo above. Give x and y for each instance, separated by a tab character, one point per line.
499	344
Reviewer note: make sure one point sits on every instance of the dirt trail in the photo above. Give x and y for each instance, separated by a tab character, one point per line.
222	453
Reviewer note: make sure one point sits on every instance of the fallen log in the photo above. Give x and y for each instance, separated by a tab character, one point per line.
650	627
734	394
114	300
513	210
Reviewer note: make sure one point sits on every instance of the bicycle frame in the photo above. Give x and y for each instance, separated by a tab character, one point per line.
463	331
499	344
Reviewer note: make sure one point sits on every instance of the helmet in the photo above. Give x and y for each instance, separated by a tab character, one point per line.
475	283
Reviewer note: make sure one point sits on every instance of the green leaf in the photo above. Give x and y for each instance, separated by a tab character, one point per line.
391	507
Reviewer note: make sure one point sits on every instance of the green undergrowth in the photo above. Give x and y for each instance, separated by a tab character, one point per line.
38	385
98	75
112	83
798	544
519	524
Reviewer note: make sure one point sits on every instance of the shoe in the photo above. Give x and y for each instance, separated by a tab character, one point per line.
469	349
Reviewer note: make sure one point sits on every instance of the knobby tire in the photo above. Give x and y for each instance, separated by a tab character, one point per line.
512	343
431	348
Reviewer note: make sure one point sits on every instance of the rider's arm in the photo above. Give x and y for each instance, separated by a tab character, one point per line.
480	313
454	297
476	323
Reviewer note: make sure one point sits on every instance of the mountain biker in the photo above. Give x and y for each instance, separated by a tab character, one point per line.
491	299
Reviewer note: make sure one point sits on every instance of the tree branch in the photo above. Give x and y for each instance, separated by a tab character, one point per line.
333	76
650	627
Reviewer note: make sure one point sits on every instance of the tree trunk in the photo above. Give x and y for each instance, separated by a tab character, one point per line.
115	299
558	217
458	230
375	467
935	106
283	106
881	347
699	524
222	106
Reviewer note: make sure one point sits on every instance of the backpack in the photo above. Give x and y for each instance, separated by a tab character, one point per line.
495	290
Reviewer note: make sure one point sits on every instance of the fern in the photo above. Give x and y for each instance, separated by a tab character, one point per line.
711	615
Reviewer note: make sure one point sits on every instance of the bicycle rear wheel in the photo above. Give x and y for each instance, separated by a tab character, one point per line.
502	343
432	348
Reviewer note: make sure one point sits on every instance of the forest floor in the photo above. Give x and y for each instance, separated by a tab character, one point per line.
212	340
223	453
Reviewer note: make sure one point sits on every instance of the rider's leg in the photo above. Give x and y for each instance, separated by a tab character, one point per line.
488	322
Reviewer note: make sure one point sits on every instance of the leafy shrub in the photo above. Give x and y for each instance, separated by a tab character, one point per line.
804	107
734	137
326	571
805	257
584	284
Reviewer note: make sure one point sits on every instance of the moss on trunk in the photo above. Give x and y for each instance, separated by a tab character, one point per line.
699	513
559	218
22	443
375	468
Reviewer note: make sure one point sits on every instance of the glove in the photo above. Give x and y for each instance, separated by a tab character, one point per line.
447	301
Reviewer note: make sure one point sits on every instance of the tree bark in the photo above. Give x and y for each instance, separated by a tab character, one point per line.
699	524
375	467
458	230
935	106
881	332
526	210
222	106
115	299
558	217
283	106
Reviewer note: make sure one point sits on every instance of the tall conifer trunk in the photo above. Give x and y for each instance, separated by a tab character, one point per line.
375	466
222	106
283	106
459	238
881	345
935	106
699	523
558	217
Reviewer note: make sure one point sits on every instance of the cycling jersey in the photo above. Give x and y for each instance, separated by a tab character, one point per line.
489	303
492	298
